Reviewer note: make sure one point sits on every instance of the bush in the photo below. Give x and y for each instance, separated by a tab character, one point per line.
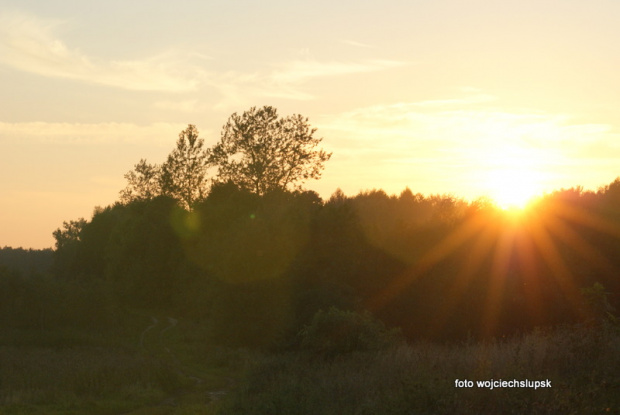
336	332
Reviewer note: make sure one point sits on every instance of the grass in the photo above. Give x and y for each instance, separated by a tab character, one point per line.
581	365
179	373
80	372
73	379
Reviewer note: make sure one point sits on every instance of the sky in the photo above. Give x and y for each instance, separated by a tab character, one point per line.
502	99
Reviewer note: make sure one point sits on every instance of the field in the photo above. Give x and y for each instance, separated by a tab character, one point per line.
175	372
581	366
130	370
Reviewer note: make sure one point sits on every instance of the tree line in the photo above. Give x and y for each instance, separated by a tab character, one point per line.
254	257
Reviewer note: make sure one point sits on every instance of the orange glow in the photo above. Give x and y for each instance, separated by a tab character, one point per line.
512	187
503	249
512	174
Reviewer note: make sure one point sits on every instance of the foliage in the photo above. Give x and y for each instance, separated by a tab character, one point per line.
336	332
70	234
254	270
45	303
182	176
257	268
143	182
133	247
247	247
143	253
246	237
261	152
251	314
67	246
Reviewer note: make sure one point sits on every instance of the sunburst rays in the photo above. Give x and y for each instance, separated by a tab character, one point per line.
538	245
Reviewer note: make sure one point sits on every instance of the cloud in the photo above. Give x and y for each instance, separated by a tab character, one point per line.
188	106
30	44
158	134
287	79
299	71
33	44
466	135
440	148
239	89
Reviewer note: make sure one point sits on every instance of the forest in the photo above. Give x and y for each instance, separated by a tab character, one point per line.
289	303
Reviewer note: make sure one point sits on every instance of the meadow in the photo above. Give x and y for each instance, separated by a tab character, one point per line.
95	376
580	364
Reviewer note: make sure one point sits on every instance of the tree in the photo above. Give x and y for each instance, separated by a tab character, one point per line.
182	176
143	252
65	257
143	183
260	152
70	234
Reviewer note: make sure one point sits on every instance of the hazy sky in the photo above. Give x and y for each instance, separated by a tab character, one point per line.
471	98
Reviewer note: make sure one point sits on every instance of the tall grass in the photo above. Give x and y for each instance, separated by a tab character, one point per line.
70	371
73	377
581	364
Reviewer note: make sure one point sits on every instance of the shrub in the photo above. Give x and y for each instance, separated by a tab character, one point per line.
336	332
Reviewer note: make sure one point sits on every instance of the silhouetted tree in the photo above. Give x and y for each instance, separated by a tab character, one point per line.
261	152
183	176
69	234
143	182
143	253
67	246
92	255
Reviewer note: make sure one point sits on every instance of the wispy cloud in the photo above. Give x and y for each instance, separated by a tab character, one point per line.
287	79
466	134
298	71
188	106
31	44
158	134
239	89
441	148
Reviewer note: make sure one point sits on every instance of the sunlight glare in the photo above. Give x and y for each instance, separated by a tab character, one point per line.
512	188
512	174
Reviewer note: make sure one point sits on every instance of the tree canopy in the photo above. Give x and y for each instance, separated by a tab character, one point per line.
183	176
260	151
143	182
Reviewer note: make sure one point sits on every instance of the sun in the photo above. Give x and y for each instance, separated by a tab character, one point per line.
511	175
513	188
